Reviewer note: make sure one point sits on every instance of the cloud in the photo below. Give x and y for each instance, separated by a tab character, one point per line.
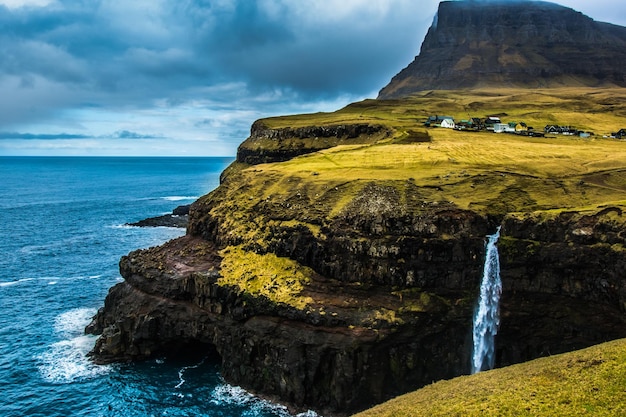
199	71
40	136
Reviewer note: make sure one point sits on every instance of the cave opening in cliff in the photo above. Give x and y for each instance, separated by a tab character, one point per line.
192	350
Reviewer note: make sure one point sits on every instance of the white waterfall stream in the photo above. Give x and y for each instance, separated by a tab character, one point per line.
487	315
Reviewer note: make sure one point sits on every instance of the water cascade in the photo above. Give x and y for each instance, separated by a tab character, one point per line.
487	315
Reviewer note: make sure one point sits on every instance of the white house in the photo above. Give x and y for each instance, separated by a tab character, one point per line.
447	123
503	128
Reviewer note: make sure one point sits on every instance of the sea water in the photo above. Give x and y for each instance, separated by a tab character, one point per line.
63	233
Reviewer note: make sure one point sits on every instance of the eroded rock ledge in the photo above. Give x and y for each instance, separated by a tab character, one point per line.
277	145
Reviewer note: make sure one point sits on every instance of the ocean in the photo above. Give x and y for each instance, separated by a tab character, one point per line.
63	232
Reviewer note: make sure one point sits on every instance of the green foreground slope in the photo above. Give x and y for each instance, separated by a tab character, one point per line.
587	382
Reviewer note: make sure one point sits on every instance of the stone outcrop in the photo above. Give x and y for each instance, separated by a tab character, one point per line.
513	44
178	218
277	145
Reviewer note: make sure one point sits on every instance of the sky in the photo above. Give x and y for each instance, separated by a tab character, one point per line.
188	77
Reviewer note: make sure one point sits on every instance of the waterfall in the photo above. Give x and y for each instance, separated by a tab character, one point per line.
487	315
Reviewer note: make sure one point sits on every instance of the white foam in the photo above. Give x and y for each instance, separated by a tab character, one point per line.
123	226
182	370
11	283
308	413
73	322
230	394
53	283
237	396
180	197
66	361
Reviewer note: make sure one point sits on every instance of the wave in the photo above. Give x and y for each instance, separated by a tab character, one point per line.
11	283
180	197
182	370
51	280
66	361
74	321
239	397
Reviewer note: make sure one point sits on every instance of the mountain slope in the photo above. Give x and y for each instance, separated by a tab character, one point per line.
513	44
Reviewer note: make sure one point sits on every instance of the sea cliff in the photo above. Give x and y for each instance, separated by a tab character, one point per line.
340	276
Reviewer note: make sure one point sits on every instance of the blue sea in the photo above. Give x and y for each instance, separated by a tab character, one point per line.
63	232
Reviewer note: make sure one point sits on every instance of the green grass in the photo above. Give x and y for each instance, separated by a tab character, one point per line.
281	280
589	382
601	110
486	172
496	174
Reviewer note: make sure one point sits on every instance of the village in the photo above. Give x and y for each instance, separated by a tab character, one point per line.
494	124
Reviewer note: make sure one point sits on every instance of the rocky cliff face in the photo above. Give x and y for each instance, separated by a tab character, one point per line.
340	295
276	145
513	44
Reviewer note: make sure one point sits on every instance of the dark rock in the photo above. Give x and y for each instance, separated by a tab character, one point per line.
513	44
178	218
563	289
277	145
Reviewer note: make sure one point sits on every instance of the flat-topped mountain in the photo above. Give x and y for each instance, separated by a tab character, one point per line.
513	44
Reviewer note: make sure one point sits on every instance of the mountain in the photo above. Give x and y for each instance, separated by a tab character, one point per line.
534	44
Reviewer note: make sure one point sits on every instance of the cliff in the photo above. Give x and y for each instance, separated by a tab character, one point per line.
338	263
513	44
340	278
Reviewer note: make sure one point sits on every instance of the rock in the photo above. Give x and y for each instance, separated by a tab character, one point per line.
277	145
392	292
178	218
513	44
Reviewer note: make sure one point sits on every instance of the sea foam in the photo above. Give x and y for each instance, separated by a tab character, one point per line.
237	396
66	360
180	197
11	283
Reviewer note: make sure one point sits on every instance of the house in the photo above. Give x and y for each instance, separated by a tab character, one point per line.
440	121
503	128
463	125
447	123
490	121
561	130
520	127
621	134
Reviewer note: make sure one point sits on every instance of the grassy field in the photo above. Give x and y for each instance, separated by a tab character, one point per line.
589	382
493	174
600	110
483	171
487	172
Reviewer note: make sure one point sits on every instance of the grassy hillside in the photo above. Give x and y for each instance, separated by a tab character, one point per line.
487	172
600	110
586	382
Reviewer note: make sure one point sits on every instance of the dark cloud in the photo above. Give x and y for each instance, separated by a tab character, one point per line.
142	50
200	68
